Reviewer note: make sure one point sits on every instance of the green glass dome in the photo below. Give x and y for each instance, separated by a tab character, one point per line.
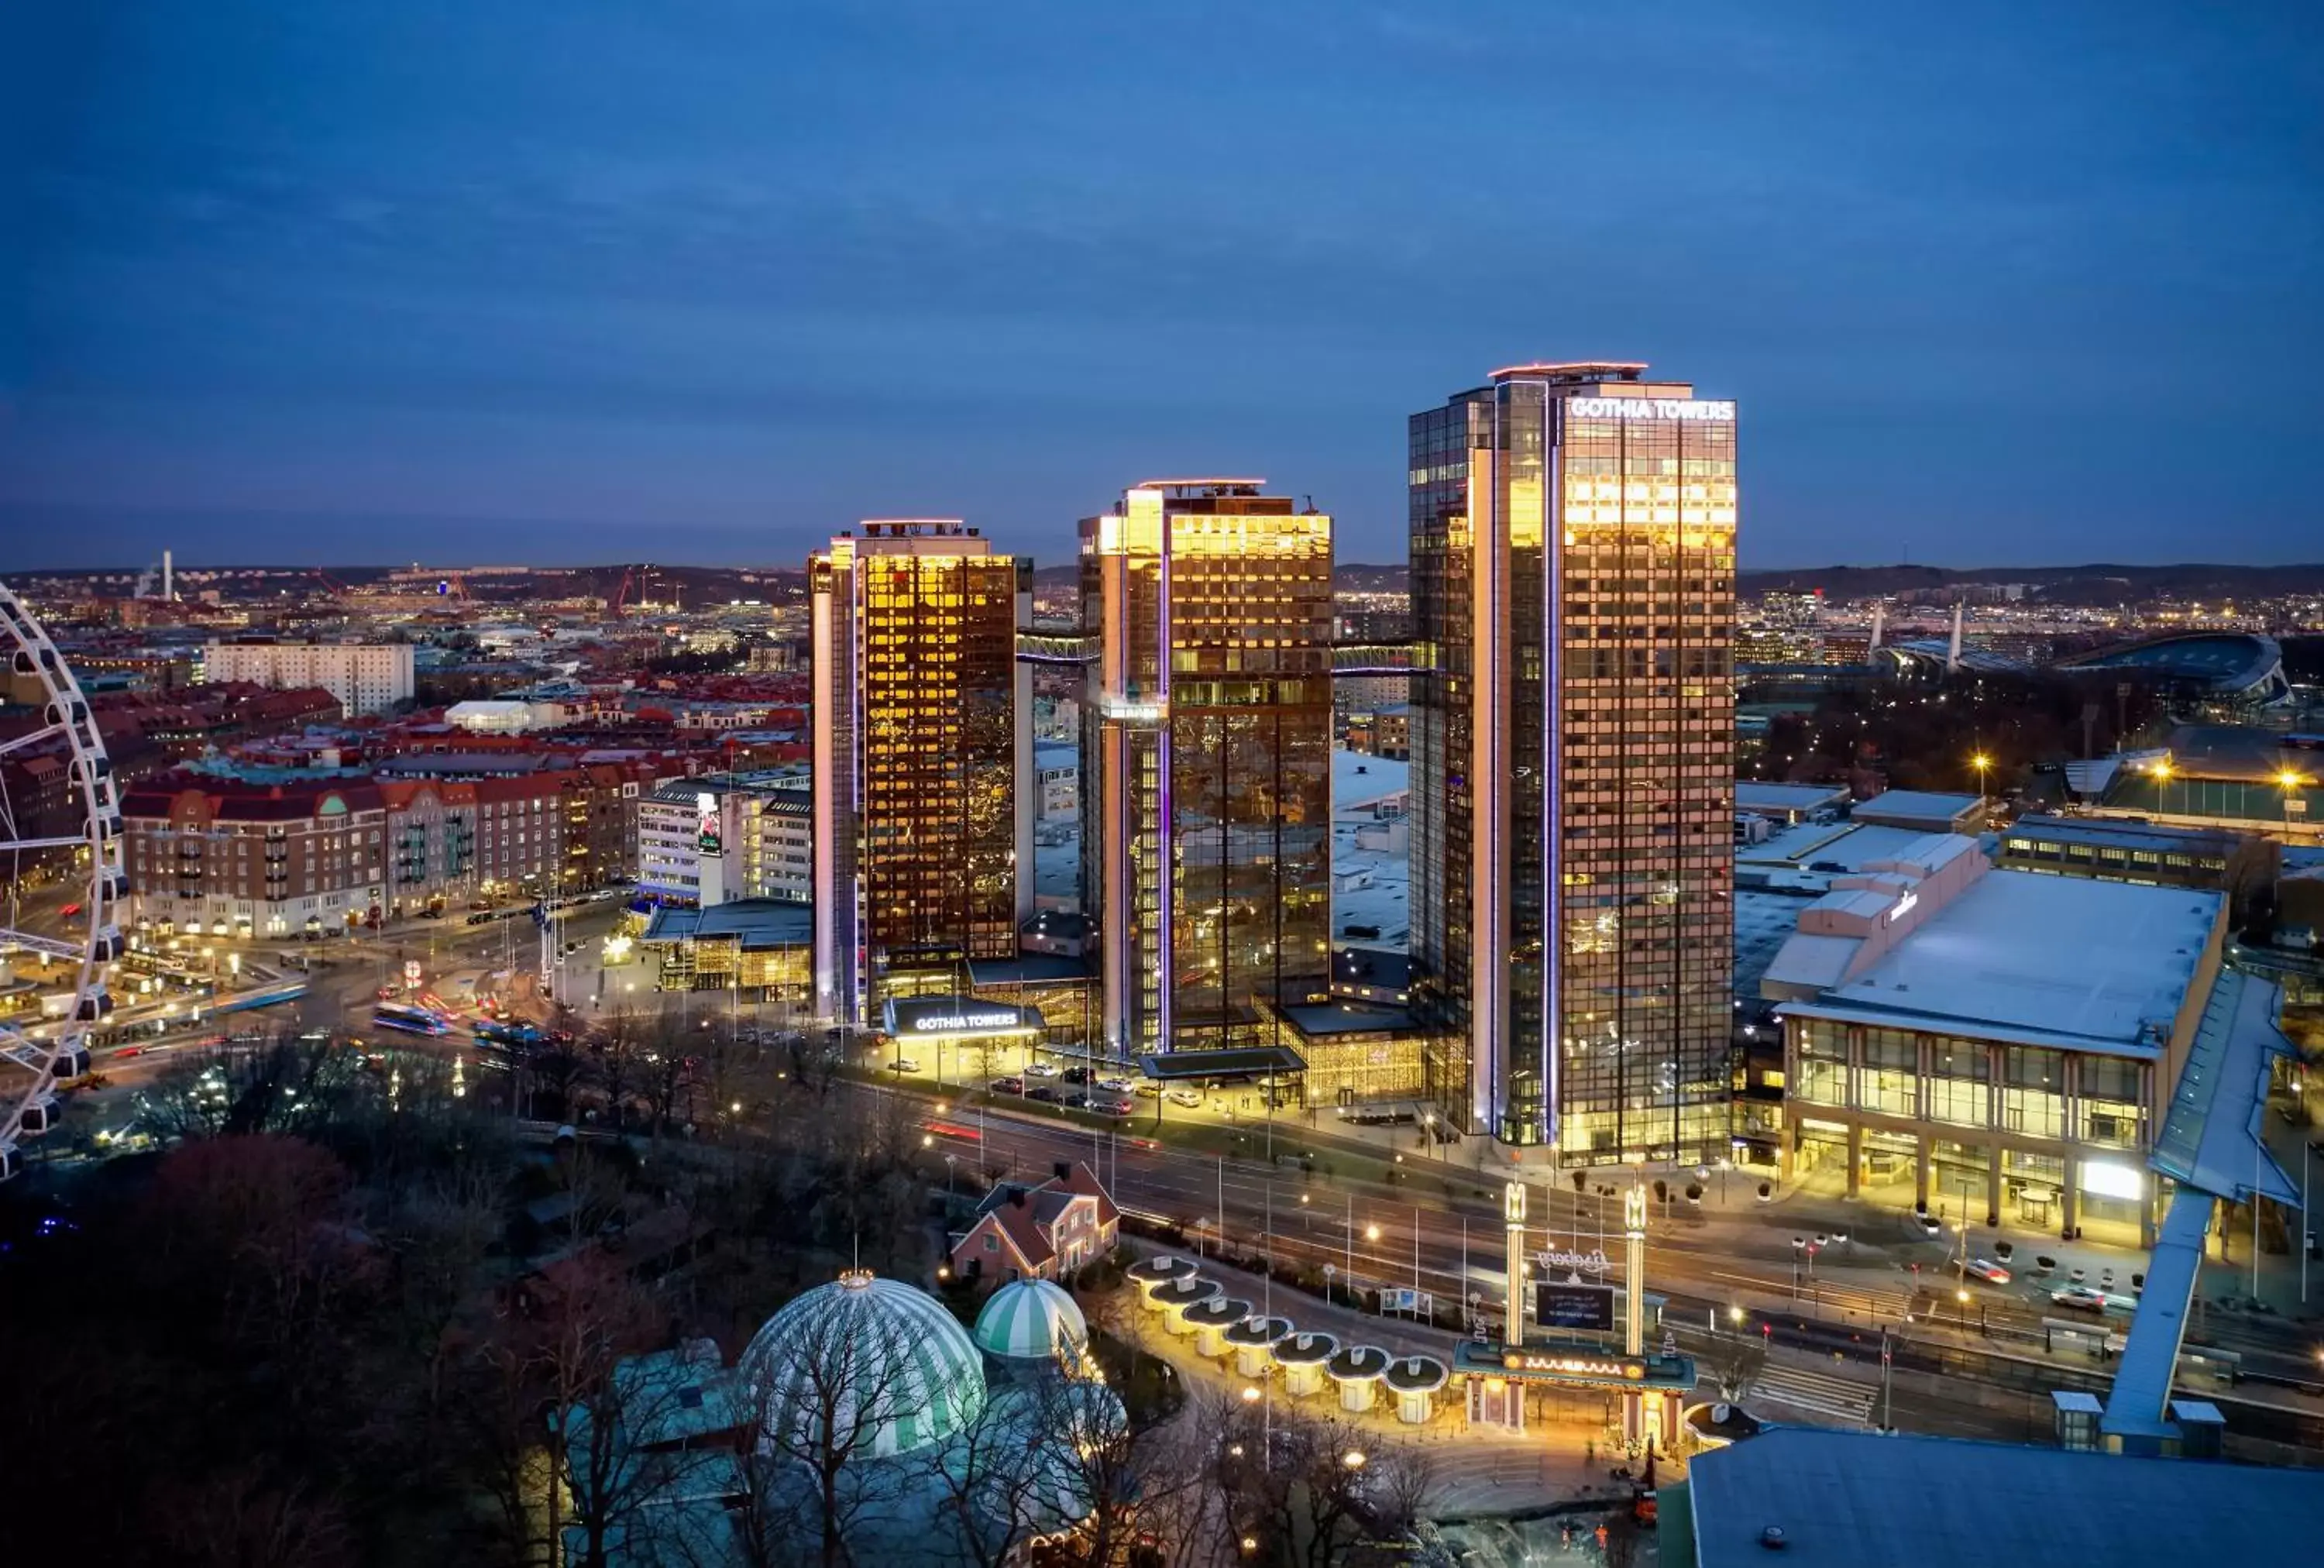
869	1364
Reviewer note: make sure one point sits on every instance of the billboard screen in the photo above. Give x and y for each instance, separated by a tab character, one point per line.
1574	1306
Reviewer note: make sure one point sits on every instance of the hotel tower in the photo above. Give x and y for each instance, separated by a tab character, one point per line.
921	731
1572	555
1206	763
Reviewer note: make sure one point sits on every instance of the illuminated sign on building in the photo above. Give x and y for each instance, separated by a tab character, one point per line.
956	1022
705	810
1626	1368
1575	1262
958	1015
1710	410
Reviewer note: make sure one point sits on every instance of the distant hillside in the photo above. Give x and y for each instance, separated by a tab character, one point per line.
2097	583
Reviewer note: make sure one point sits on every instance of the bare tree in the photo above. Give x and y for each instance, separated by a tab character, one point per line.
563	1432
827	1401
1735	1362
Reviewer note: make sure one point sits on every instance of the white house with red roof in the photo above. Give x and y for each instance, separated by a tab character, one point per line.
1041	1231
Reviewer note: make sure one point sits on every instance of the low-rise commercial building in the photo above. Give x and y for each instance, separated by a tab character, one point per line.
760	948
1988	1041
2125	850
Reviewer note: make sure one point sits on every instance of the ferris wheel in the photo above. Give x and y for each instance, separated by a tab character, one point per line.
77	836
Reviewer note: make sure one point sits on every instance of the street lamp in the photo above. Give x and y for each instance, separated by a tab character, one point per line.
1981	762
1354	1459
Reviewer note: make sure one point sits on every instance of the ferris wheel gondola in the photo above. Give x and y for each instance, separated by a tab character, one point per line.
41	1054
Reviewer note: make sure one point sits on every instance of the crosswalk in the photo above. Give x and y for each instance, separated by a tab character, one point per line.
1817	1393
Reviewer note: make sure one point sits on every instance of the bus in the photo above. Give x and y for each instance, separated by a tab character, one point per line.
273	996
412	1021
507	1034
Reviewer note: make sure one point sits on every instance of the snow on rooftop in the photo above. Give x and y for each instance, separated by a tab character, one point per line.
2058	955
1359	779
1842	843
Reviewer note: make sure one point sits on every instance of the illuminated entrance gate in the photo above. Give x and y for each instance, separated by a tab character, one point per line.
1577	1382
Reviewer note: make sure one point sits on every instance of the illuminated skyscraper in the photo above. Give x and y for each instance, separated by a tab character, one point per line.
1572	752
1206	761
918	743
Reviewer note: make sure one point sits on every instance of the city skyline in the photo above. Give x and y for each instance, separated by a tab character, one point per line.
279	292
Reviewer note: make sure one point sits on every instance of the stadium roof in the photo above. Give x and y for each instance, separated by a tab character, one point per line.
2226	663
1846	1499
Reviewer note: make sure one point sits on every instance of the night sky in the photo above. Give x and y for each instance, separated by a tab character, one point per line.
706	280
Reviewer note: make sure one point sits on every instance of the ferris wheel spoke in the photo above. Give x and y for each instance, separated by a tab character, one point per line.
75	841
32	738
34	941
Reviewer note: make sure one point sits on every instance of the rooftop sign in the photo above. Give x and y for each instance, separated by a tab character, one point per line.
1702	409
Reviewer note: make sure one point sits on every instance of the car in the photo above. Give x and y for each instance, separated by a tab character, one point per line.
906	1065
1041	1070
1009	1086
1075	1074
1986	1269
1188	1097
1076	1101
1931	1226
1118	1105
1042	1092
1148	1088
2080	1297
1115	1086
480	920
388	993
69	910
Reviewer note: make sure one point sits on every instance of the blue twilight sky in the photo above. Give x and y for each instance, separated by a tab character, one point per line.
703	280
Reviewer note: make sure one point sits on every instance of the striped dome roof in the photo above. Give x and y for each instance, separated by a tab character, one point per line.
1030	1319
884	1366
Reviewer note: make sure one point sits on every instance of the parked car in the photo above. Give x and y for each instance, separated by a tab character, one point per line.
1118	1105
1041	1070
1115	1086
2079	1298
1076	1101
1042	1092
1075	1074
906	1065
1187	1097
1986	1269
1009	1086
1150	1089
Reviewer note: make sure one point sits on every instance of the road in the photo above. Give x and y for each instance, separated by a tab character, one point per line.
1414	1234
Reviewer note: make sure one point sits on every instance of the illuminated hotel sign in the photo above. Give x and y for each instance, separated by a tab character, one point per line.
958	1015
1709	411
948	1023
1575	1262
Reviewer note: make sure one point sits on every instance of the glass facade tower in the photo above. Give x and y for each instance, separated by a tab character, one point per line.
1573	568
920	734
1206	761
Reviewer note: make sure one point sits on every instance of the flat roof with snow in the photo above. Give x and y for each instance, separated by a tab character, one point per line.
1750	795
2028	959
